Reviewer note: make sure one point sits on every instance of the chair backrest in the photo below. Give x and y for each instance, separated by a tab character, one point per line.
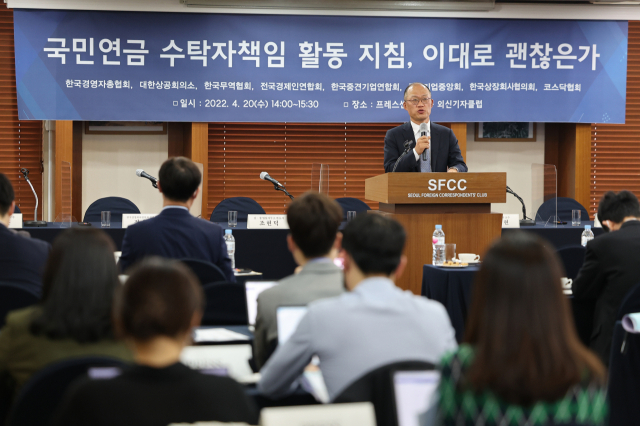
631	302
41	395
377	387
624	386
12	297
565	206
226	304
206	272
17	209
572	258
243	205
350	204
116	205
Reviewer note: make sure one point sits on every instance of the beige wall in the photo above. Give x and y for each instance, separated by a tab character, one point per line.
515	158
109	164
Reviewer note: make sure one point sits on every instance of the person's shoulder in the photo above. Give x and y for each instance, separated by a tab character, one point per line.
397	129
440	128
21	318
459	358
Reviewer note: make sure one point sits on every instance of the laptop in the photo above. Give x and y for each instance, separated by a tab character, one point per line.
288	318
253	289
414	391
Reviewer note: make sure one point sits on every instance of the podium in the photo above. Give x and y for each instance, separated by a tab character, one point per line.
460	202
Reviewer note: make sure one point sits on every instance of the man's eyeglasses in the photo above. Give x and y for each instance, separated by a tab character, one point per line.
416	101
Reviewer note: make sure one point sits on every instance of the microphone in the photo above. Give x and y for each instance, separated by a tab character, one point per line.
25	173
407	147
141	173
423	132
265	176
525	220
35	221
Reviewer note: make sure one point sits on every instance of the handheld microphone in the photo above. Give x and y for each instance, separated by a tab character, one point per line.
143	174
423	132
265	176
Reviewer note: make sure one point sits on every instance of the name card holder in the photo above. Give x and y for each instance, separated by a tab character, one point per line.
15	221
267	221
511	221
129	219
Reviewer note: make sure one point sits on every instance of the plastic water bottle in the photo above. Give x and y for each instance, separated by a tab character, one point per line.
587	235
231	247
438	238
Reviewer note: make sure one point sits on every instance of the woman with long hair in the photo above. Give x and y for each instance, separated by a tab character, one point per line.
154	313
73	318
521	362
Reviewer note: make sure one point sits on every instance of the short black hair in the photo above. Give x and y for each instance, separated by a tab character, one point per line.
426	86
79	279
616	207
375	242
179	178
314	220
6	194
159	298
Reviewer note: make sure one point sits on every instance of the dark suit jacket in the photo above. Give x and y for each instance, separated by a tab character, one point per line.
175	234
445	152
611	268
22	259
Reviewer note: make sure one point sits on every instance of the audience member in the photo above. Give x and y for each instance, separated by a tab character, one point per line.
73	318
521	362
375	323
154	313
22	259
611	267
314	241
174	233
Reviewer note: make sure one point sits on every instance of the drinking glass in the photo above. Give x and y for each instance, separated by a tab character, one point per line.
575	217
105	219
232	217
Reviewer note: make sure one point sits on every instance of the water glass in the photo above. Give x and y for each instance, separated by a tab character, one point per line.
351	215
232	217
575	217
440	254
449	252
105	219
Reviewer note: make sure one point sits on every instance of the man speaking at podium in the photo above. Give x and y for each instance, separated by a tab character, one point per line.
429	147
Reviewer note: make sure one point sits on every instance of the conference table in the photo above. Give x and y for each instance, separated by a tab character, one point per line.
265	250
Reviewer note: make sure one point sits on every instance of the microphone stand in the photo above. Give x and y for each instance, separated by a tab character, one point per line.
35	222
407	146
525	220
277	188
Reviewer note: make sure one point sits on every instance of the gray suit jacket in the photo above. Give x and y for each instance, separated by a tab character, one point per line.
374	325
317	280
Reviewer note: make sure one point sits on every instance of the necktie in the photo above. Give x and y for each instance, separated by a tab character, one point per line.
425	166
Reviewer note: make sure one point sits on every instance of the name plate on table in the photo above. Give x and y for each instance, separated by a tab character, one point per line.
15	221
267	221
511	221
129	219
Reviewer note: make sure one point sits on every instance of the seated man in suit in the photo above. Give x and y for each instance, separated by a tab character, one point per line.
439	145
373	324
22	258
611	266
314	241
174	233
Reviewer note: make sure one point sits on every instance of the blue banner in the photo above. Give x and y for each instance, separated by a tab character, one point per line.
74	65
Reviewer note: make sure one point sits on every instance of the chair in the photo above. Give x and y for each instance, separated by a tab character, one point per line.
116	205
206	272
12	297
624	370
226	304
376	386
572	258
17	209
38	400
565	206
630	303
351	204
243	205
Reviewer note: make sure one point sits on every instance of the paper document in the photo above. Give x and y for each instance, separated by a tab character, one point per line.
217	335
